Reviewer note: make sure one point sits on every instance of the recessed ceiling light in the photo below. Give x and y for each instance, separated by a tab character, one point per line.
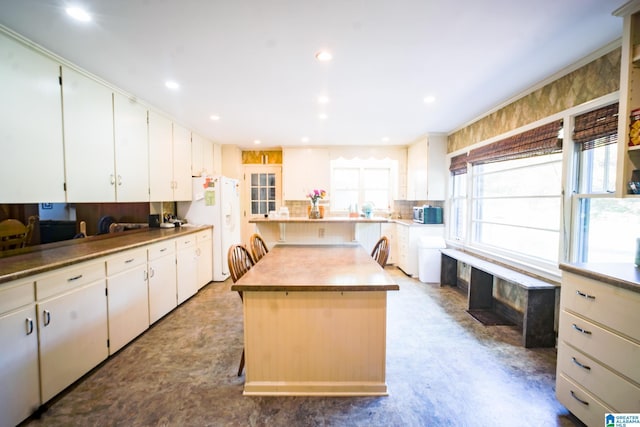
323	99
78	14
429	99
305	139
214	117
172	85
324	55
385	139
322	116
257	142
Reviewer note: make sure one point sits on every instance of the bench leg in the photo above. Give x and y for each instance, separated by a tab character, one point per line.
537	325
448	271
480	294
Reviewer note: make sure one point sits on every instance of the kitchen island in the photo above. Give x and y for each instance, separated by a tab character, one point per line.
329	230
315	322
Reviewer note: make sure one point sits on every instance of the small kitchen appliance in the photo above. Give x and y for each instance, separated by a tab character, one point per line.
427	214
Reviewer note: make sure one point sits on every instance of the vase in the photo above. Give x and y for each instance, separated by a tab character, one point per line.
314	212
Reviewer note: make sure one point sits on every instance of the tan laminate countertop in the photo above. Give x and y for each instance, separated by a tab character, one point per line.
331	219
46	258
318	268
623	275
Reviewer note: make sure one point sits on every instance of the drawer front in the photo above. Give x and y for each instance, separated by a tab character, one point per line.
203	236
617	308
126	260
16	294
581	403
161	249
612	350
69	278
613	390
185	241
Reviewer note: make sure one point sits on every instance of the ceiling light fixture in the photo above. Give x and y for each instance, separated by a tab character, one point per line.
257	142
172	85
323	56
305	139
322	116
385	139
429	99
78	14
323	99
214	117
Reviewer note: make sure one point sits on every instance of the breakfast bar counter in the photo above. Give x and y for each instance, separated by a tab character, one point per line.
315	322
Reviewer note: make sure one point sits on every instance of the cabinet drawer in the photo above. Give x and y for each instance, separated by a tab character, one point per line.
610	349
615	307
126	260
615	391
203	236
158	250
68	278
185	241
16	294
580	402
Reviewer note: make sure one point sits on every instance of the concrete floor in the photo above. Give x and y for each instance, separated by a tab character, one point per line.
443	368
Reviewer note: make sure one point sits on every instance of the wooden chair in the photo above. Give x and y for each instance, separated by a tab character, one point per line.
14	234
240	262
381	251
258	247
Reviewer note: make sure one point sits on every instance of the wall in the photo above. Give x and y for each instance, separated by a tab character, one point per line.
597	78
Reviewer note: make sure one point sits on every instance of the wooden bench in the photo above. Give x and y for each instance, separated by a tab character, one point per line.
538	316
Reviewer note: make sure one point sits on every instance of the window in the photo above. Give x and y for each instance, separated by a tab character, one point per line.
458	205
356	182
263	193
516	207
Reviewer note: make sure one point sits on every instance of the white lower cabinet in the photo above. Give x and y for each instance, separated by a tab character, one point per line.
204	252
162	279
72	324
408	236
127	297
19	375
187	267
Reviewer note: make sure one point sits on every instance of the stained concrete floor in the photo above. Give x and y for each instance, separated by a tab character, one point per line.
444	368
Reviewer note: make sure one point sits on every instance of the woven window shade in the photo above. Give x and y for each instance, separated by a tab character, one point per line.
535	142
458	164
597	128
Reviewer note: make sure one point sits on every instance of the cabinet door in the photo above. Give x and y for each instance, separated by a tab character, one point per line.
207	158
131	150
389	229
181	163
162	286
88	139
31	131
187	268
20	392
128	306
197	151
204	252
73	336
417	171
160	158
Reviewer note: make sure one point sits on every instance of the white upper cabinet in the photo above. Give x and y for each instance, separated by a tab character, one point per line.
131	150
202	156
181	163
426	168
31	131
88	139
304	169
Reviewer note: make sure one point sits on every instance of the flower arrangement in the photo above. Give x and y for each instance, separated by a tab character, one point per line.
315	195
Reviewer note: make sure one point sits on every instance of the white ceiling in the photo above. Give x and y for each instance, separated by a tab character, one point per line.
252	61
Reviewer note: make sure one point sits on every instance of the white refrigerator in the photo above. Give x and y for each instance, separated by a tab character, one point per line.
215	201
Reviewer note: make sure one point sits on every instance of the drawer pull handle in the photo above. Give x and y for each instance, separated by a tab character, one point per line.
29	322
129	260
584	402
187	242
151	272
71	279
47	317
163	249
588	368
587	296
579	329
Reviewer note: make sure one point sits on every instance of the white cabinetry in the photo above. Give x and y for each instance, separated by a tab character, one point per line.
169	160
304	169
408	237
72	324
202	154
426	168
162	279
204	252
31	131
131	150
19	378
128	298
598	349
389	229
88	139
187	267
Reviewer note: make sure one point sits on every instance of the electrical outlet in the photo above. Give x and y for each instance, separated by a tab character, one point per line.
321	232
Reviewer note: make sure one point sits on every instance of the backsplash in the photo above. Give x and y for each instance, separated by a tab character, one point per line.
401	209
